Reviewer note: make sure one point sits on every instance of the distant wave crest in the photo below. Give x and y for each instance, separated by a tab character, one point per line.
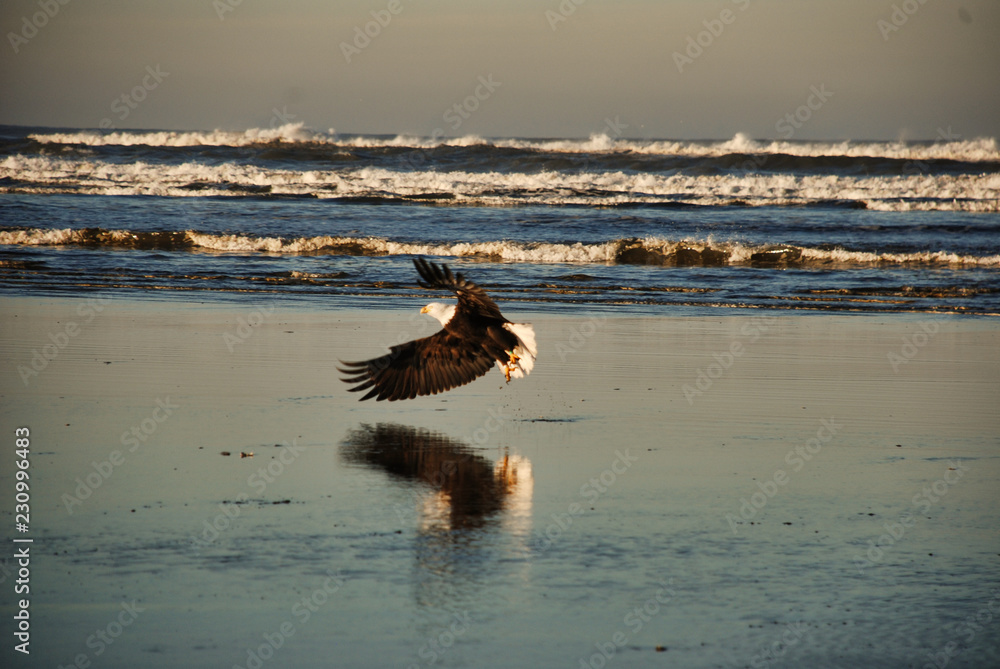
290	132
967	150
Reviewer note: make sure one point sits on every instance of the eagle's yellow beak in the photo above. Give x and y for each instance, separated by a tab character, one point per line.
425	310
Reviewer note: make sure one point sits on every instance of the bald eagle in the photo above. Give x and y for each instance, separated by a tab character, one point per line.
475	335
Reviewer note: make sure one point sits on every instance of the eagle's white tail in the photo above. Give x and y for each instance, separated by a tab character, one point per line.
525	349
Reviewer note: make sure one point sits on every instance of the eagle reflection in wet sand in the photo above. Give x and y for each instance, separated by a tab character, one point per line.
468	489
475	335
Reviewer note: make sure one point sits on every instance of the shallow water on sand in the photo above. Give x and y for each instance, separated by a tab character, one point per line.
734	491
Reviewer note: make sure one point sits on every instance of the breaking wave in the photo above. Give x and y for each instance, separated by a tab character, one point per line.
611	188
646	251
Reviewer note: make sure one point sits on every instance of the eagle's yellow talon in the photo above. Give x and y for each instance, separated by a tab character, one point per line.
511	364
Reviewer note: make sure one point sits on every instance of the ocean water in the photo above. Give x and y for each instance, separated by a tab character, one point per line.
601	222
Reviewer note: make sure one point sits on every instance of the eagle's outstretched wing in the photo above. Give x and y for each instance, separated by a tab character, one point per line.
421	367
471	298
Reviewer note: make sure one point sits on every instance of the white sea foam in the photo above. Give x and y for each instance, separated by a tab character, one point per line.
38	237
505	250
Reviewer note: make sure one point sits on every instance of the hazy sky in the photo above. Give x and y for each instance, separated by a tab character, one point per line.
808	69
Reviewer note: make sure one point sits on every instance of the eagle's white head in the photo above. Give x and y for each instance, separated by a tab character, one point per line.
442	312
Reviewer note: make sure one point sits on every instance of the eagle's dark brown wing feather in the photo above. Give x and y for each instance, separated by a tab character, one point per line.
472	300
421	367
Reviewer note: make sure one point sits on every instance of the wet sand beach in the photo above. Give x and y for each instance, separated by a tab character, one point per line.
748	489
